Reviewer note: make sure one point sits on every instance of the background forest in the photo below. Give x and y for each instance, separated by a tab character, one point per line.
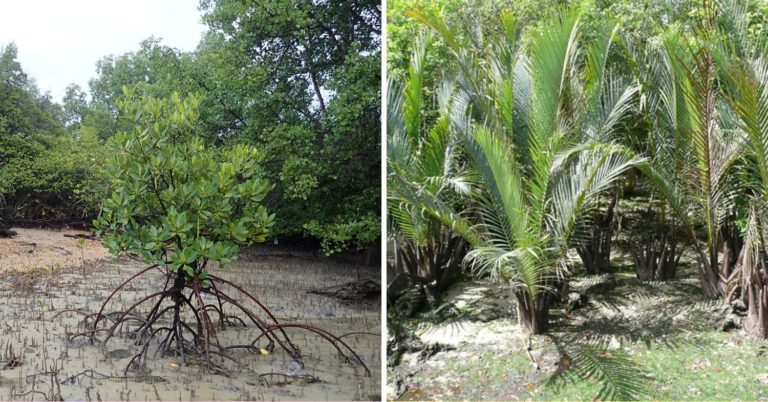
577	191
298	82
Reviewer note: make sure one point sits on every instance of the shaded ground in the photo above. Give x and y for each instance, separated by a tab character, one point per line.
667	331
37	250
36	329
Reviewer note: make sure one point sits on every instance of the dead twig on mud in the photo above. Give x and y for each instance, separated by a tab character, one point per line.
53	395
91	374
268	379
30	392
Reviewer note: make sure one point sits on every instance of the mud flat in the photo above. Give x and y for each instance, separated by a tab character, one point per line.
39	314
38	250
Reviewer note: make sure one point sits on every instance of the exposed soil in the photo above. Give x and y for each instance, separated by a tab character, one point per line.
672	336
38	318
34	250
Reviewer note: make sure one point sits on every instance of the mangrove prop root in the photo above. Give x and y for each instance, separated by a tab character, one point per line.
224	319
114	291
215	278
293	351
31	392
359	333
334	340
199	338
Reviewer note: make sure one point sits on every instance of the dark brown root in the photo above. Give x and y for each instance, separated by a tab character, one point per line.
197	337
114	291
334	340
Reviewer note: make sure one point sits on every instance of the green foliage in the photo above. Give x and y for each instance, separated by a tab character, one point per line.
537	126
469	17
680	370
301	82
298	81
426	174
552	111
23	111
154	69
291	150
65	181
46	173
346	235
74	104
175	200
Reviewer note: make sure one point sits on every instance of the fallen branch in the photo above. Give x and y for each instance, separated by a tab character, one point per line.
286	379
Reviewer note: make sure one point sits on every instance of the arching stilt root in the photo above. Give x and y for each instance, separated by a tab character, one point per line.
180	323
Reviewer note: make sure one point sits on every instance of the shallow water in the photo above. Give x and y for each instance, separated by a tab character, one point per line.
34	329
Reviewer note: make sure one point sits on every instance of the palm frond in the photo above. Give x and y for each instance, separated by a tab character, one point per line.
751	105
595	169
437	22
409	203
619	376
422	162
551	61
699	129
499	167
399	149
527	268
597	61
616	100
549	119
412	93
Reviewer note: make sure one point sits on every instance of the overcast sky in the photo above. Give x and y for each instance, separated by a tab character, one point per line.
60	41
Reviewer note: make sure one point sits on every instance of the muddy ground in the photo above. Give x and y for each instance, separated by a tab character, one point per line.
39	361
37	250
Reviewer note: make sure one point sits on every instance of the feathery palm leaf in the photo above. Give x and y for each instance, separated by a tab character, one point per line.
595	168
425	179
619	375
751	105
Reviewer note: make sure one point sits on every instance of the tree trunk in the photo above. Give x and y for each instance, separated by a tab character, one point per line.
713	284
533	314
757	311
630	182
715	273
434	264
318	92
449	264
596	252
710	283
732	244
5	218
755	285
658	259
